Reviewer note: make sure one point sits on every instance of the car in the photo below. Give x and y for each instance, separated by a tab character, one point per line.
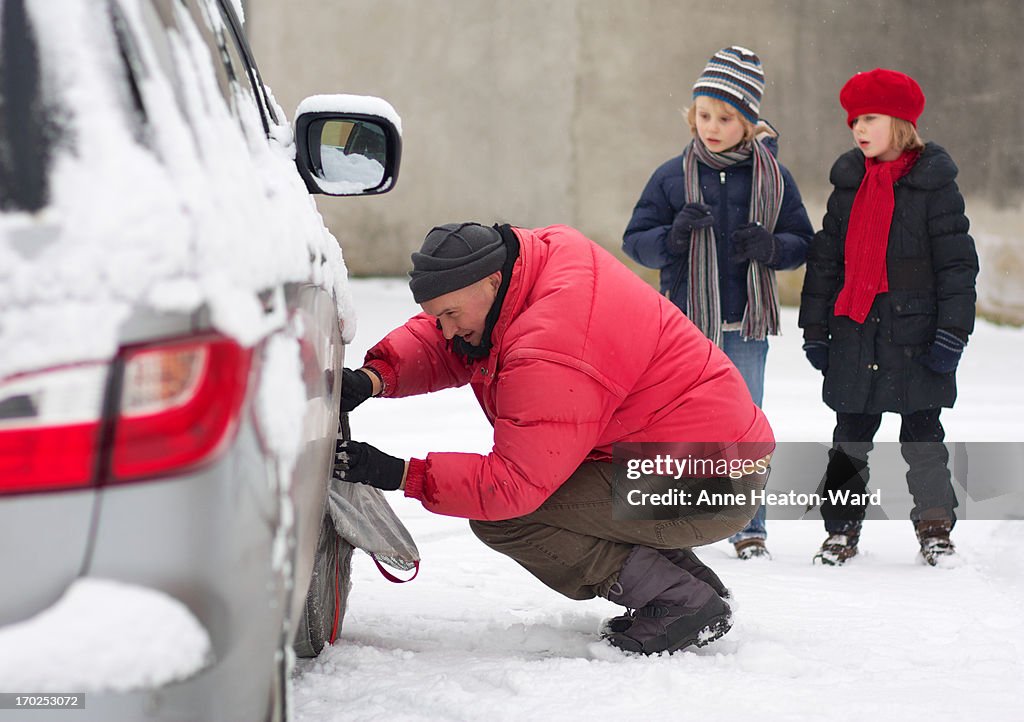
173	319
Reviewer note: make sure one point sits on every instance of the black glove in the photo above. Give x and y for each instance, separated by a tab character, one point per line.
944	354
817	354
356	387
358	462
754	242
690	216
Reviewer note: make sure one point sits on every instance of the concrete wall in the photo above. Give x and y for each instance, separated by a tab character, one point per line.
486	108
537	112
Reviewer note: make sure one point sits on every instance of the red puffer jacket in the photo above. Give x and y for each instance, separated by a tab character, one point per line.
585	355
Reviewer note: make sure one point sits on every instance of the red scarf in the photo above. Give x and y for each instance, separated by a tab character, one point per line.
867	235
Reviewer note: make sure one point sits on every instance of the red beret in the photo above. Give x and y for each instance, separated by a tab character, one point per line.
886	92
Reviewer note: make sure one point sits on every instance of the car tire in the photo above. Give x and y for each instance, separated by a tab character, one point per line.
327	598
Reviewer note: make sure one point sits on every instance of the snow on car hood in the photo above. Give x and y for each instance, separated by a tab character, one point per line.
186	210
104	635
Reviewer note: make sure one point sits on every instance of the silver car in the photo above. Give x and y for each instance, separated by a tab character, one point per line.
173	316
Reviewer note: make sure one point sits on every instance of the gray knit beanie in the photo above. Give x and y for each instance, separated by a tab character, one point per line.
454	256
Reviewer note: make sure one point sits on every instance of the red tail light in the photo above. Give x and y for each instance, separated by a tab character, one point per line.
50	427
180	403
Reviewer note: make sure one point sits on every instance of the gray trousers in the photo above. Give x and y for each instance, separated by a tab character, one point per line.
573	543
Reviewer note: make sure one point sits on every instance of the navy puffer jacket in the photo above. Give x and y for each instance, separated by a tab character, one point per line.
931	267
728	194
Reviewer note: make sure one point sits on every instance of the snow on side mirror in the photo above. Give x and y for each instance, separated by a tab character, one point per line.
347	145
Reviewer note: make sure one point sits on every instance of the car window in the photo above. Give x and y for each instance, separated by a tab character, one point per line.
240	46
155	22
26	128
232	70
134	69
164	25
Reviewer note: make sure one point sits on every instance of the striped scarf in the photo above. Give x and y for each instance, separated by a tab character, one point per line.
761	315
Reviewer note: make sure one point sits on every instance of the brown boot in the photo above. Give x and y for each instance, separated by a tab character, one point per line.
840	547
936	548
752	549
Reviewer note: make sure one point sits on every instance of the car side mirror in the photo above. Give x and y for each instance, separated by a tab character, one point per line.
347	145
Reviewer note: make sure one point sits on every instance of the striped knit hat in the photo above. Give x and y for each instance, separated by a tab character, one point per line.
734	76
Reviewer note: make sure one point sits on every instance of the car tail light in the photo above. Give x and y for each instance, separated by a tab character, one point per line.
50	428
180	403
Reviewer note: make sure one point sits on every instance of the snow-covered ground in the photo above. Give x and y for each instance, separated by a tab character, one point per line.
475	637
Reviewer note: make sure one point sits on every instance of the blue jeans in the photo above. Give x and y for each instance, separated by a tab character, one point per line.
749	358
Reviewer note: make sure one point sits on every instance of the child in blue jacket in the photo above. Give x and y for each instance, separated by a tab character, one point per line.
718	221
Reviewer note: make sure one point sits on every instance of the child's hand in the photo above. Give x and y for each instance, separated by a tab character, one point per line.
817	354
944	354
690	217
754	242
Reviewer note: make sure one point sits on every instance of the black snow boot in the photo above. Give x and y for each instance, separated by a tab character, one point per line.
674	609
684	559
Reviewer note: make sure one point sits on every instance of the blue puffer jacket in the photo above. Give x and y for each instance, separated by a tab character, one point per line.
728	194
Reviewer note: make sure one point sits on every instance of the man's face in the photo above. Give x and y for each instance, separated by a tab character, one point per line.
463	313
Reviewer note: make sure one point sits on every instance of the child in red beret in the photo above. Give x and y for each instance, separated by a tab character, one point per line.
887	306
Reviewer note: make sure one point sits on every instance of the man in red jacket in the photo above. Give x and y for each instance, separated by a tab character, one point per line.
569	355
